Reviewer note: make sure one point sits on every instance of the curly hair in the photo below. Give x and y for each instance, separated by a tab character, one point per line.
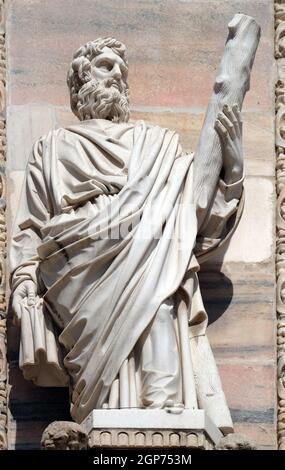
79	72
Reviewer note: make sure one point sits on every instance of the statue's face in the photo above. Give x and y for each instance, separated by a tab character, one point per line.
105	94
109	65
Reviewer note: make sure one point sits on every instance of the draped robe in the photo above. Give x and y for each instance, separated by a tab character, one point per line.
107	229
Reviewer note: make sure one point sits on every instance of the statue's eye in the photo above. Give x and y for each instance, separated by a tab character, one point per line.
105	65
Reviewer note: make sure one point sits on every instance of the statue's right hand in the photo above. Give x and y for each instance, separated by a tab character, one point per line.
27	290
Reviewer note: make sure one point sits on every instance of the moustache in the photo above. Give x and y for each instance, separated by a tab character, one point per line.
109	82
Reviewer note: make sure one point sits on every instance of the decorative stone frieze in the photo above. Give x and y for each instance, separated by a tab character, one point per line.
3	361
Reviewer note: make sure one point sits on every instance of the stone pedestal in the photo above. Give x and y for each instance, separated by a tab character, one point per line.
138	428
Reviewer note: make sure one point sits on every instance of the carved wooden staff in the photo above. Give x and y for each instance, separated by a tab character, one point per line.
230	87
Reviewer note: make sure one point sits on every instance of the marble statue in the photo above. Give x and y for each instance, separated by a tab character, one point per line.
113	223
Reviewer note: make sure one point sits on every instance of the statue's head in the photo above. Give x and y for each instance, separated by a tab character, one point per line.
97	81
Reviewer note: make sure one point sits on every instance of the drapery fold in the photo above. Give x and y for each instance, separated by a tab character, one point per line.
109	230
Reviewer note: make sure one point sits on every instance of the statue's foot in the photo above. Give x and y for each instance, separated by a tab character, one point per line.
170	406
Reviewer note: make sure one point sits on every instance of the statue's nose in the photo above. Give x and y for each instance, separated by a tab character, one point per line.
116	72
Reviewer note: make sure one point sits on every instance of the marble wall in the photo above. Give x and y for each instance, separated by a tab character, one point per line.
174	48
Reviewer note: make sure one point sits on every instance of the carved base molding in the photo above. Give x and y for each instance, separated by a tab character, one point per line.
67	435
137	428
136	439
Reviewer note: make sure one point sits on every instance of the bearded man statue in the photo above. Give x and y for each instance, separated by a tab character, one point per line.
108	240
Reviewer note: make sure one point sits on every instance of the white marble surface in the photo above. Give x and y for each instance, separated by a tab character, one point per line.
131	418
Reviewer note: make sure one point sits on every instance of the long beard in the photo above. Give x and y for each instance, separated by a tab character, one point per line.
101	100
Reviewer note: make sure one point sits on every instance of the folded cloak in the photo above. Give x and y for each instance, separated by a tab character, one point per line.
108	229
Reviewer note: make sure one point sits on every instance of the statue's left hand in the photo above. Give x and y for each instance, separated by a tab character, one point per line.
229	128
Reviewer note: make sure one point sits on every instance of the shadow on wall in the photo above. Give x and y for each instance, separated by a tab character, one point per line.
217	291
216	288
